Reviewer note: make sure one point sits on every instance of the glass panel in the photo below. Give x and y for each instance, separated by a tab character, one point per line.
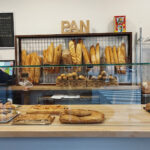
114	90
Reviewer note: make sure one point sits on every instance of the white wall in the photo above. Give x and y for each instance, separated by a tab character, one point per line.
45	16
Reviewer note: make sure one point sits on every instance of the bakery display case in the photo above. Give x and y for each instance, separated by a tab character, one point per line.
65	80
93	97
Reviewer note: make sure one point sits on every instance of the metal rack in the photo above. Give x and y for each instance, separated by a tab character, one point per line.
37	43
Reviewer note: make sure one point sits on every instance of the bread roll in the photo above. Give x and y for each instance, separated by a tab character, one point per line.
97	54
107	55
72	52
93	54
85	55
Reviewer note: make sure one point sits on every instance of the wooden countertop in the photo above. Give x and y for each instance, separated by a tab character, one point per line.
54	87
121	121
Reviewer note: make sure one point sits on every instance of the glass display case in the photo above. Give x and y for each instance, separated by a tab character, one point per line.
89	94
84	79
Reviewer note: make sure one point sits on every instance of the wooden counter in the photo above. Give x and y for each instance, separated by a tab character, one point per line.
121	121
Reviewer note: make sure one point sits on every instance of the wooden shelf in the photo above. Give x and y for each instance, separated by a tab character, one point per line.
54	87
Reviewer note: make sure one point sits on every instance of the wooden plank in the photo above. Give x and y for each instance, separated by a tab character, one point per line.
54	87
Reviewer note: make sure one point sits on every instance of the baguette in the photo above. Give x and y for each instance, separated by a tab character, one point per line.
72	52
121	60
123	49
57	57
111	56
85	55
107	55
93	54
116	58
50	53
23	59
79	56
97	54
79	53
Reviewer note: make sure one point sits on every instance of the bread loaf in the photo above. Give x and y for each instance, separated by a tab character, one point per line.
72	52
85	55
93	54
97	54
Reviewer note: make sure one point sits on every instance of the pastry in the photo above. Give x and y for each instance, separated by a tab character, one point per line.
59	78
103	73
77	112
33	119
97	54
86	117
81	77
46	109
93	54
99	77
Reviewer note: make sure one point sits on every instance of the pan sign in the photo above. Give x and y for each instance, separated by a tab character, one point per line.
73	28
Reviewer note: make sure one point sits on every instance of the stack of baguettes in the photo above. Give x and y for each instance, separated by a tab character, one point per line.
78	50
31	60
116	56
52	56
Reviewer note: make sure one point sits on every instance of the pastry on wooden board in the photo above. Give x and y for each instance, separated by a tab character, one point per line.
79	116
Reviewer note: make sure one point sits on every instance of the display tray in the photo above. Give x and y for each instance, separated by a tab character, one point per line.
10	119
33	119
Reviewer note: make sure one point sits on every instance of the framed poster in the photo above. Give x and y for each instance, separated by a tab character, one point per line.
6	30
